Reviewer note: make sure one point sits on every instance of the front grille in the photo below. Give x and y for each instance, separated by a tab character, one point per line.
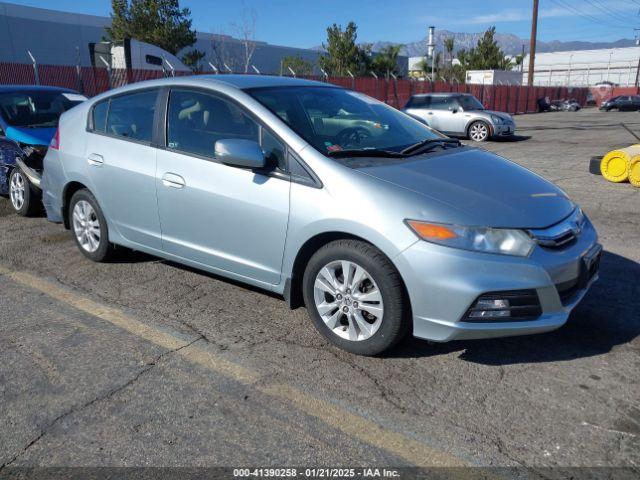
505	306
559	241
563	234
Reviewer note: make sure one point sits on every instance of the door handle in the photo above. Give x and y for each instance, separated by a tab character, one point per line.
173	181
429	113
95	160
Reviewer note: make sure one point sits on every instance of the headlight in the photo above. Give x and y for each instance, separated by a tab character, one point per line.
480	239
495	119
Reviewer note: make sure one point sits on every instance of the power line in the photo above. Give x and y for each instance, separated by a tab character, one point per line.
613	13
572	9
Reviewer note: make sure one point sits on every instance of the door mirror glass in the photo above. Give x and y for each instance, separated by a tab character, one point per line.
240	153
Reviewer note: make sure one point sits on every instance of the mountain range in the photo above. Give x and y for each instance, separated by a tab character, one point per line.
509	43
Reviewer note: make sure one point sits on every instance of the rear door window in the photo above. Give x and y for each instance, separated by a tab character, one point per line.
443	103
131	115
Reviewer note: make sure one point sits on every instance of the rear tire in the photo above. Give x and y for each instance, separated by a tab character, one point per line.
364	311
24	197
89	227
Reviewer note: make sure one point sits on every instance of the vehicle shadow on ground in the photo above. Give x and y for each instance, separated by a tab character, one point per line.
608	316
511	139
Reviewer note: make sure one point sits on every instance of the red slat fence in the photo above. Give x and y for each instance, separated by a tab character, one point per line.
93	81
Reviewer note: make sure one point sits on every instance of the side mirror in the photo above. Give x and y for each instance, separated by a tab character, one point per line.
453	109
240	153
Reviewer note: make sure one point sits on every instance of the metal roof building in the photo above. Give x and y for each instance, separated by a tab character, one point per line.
586	67
62	38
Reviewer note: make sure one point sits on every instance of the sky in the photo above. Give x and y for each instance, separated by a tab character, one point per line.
303	23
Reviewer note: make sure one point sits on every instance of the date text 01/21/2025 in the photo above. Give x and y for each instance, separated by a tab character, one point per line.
316	473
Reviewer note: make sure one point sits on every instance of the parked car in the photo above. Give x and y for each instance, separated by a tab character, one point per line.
622	103
460	114
28	119
377	223
571	105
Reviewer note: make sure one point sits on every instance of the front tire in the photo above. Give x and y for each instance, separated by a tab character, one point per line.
355	297
24	198
89	227
479	131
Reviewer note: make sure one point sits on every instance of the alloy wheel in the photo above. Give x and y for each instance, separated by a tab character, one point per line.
16	190
478	132
86	226
348	300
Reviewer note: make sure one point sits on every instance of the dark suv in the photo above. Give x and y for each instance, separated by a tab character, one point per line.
622	103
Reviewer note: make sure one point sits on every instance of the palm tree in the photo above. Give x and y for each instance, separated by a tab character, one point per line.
386	60
449	45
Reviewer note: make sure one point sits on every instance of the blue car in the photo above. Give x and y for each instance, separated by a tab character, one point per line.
28	122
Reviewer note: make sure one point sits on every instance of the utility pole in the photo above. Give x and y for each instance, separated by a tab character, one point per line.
532	47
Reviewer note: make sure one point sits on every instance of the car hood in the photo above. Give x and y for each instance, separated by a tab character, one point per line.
502	115
31	136
479	188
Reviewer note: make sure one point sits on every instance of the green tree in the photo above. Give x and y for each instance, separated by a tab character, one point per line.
518	60
449	45
192	59
159	22
486	55
297	64
385	62
342	52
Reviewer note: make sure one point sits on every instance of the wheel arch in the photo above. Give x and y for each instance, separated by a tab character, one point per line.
68	191
293	284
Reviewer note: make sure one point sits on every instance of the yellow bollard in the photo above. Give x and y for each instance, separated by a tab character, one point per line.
615	164
634	171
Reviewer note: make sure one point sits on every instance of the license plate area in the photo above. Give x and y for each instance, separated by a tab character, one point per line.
590	265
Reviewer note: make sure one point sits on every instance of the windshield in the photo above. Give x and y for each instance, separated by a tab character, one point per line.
469	102
36	109
334	119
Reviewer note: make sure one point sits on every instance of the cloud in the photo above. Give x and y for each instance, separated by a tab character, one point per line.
516	16
520	15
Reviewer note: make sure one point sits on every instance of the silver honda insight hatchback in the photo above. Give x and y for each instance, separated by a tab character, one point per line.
376	223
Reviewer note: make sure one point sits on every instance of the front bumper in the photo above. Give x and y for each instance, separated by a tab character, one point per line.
443	283
504	129
33	175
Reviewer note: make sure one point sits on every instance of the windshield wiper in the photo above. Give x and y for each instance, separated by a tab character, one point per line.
428	144
366	152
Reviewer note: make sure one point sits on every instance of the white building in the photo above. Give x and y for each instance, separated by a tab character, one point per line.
494	77
581	68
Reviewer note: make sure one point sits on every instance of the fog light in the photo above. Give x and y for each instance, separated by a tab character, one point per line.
489	313
492	304
507	306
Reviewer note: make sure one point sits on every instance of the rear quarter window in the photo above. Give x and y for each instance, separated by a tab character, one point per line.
418	102
99	116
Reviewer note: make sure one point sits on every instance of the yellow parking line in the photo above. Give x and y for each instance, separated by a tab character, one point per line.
354	425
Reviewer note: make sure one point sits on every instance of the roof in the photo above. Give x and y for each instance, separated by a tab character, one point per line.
32	88
258	81
240	82
441	94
